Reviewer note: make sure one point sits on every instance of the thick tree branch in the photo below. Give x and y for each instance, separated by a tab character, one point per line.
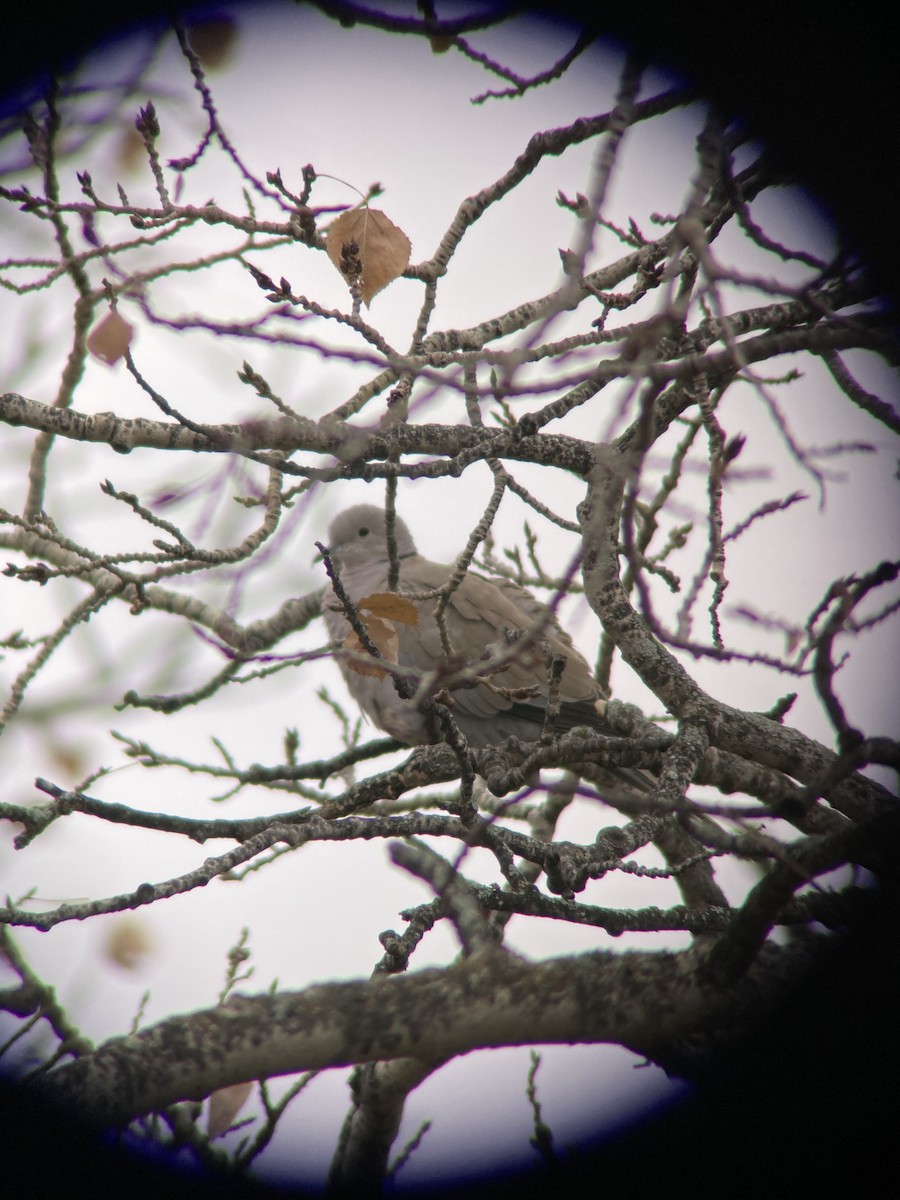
354	446
641	1000
748	734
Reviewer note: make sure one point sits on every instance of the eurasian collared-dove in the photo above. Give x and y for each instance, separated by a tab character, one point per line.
483	619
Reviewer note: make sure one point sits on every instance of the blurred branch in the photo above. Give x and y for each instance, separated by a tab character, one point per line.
488	999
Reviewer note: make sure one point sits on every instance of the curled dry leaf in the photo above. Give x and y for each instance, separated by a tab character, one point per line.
131	153
381	612
390	607
128	943
214	41
383	249
109	340
224	1106
385	638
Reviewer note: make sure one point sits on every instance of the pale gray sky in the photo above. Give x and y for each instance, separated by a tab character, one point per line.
365	107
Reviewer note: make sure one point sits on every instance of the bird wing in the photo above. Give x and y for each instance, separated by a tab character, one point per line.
481	617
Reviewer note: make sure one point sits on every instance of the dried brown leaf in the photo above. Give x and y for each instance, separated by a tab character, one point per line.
109	340
390	607
214	41
224	1106
128	943
381	612
383	248
131	153
384	635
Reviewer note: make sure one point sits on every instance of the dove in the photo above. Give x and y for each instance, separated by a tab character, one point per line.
483	619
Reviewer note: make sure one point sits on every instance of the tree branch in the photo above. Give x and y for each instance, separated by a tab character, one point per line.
640	1000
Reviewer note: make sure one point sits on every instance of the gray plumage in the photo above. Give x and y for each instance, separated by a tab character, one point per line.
482	618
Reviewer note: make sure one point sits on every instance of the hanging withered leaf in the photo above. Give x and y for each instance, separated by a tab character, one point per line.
224	1106
214	41
382	249
109	340
390	607
128	943
381	613
131	153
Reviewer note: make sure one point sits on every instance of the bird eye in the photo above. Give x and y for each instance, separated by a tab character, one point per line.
364	532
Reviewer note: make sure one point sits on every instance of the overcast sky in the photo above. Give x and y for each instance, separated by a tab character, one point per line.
362	107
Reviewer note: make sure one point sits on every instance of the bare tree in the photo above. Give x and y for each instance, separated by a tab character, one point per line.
650	429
